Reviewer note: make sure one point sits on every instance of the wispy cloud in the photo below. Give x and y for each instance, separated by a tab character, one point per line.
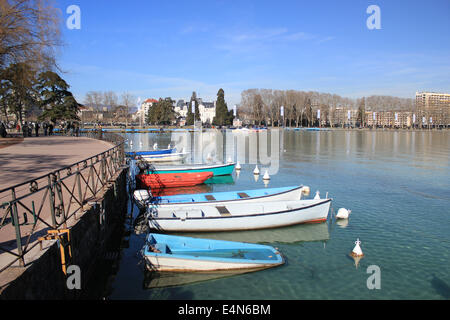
264	38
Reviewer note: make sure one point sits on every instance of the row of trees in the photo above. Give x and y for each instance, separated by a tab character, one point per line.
300	107
119	106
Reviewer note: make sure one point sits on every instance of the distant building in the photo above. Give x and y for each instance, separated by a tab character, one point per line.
434	108
207	110
142	113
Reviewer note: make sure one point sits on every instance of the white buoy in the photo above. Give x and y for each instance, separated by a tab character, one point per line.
343	213
229	160
238	166
317	196
131	142
256	171
208	157
155	146
357	252
256	177
266	176
169	146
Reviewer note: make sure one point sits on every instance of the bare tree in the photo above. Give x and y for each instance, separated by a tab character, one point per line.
128	100
29	32
94	100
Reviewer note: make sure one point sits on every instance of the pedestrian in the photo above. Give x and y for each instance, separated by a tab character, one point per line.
45	126
3	131
25	129
71	129
77	130
36	128
50	129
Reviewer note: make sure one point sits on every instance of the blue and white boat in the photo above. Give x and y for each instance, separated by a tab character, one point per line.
133	154
185	254
143	198
169	157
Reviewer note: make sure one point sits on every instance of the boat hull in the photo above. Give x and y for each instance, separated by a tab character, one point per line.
171	157
310	211
149	153
169	264
186	254
217	170
223	198
170	180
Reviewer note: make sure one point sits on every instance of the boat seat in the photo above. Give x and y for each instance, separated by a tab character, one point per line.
223	211
210	197
161	248
243	195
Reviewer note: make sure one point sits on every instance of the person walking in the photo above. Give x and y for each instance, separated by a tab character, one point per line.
3	132
50	129
25	130
36	128
45	127
77	130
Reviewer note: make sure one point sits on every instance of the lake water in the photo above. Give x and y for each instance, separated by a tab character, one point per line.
397	184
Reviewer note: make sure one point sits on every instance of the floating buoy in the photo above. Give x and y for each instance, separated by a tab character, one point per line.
169	146
357	252
306	190
256	171
229	160
343	213
317	196
155	146
266	176
238	166
131	142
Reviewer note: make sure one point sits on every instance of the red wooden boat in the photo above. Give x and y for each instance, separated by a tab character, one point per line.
168	180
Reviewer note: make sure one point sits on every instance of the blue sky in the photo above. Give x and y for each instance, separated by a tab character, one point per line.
158	49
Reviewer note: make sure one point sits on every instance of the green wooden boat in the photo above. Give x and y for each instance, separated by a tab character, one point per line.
216	169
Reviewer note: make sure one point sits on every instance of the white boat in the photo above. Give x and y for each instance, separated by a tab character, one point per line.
174	253
176	156
143	197
237	215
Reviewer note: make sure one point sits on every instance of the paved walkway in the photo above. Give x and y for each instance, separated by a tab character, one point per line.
32	158
37	156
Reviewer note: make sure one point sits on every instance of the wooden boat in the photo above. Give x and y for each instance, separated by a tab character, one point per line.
133	154
164	252
143	197
216	169
174	156
237	215
169	180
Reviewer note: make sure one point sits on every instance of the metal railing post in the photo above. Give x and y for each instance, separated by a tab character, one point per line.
15	216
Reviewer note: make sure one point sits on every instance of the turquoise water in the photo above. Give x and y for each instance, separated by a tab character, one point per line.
397	185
